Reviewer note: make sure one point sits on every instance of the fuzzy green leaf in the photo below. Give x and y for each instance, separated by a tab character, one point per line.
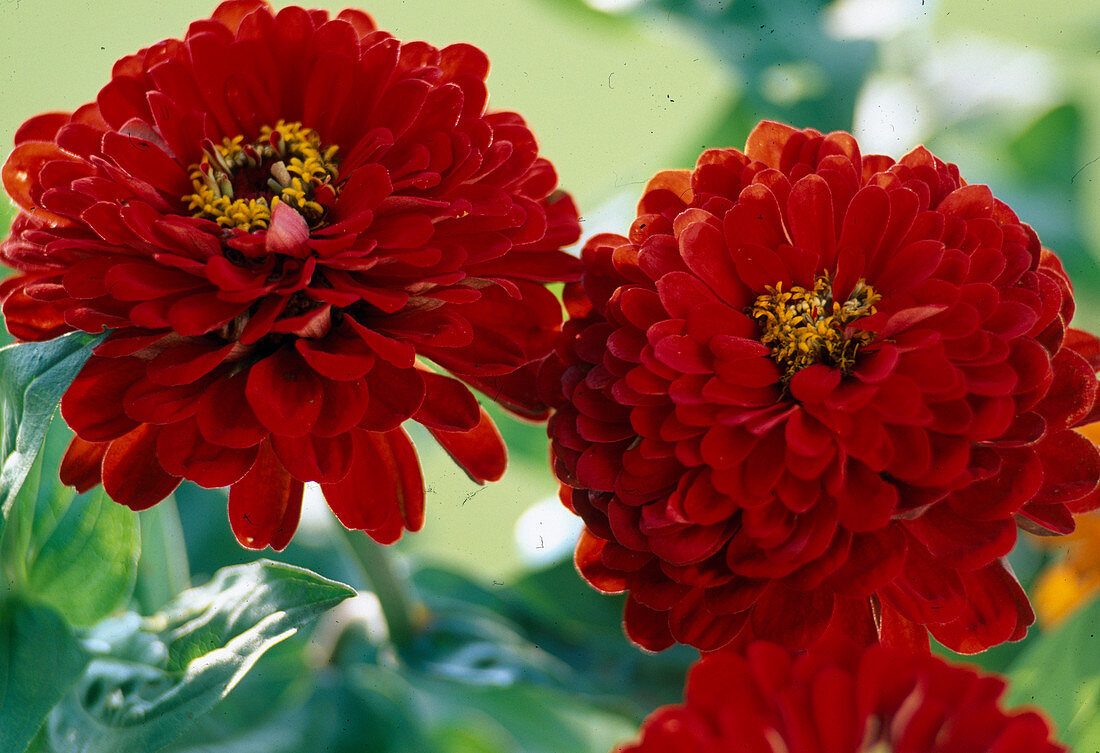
75	553
33	377
39	660
153	677
85	561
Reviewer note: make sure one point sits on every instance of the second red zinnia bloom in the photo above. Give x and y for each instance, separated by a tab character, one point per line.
814	388
283	218
840	699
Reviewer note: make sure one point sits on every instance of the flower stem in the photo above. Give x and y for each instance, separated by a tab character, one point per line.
163	569
400	607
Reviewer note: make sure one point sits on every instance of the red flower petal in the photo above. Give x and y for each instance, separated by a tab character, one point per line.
997	611
311	458
21	173
231	12
517	392
182	451
1071	468
284	393
796	618
810	218
767	141
395	395
42	127
840	697
479	451
26	318
647	627
691	622
198	314
265	504
343	408
186	362
225	417
132	473
874	560
448	405
957	542
81	466
288	232
1085	344
339	356
925	592
152	403
1073	392
384	479
92	405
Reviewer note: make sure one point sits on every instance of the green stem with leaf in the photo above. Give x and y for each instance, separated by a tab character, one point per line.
163	569
401	609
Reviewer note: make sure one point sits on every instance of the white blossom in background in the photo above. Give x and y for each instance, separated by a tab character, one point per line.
618	211
362	611
316	517
927	79
875	19
888	118
974	75
546	533
612	6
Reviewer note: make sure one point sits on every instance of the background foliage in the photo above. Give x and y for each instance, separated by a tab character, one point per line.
104	647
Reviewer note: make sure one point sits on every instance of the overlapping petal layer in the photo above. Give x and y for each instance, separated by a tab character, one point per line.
283	217
812	387
840	699
1069	583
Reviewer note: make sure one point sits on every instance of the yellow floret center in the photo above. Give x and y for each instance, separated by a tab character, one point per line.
238	185
804	326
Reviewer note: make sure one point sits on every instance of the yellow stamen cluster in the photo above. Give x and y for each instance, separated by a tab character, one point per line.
806	326
287	163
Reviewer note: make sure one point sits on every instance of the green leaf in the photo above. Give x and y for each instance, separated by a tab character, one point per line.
1056	674
560	632
476	645
368	703
505	669
33	377
287	731
459	739
266	712
77	554
85	563
163	569
15	538
39	660
155	676
530	718
1048	150
39	744
791	67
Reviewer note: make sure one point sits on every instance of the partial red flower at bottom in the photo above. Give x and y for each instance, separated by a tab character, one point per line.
292	224
840	699
814	388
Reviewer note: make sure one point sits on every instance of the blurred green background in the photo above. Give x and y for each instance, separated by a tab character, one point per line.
616	90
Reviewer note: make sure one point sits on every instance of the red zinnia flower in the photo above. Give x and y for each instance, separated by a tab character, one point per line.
816	387
840	699
276	216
